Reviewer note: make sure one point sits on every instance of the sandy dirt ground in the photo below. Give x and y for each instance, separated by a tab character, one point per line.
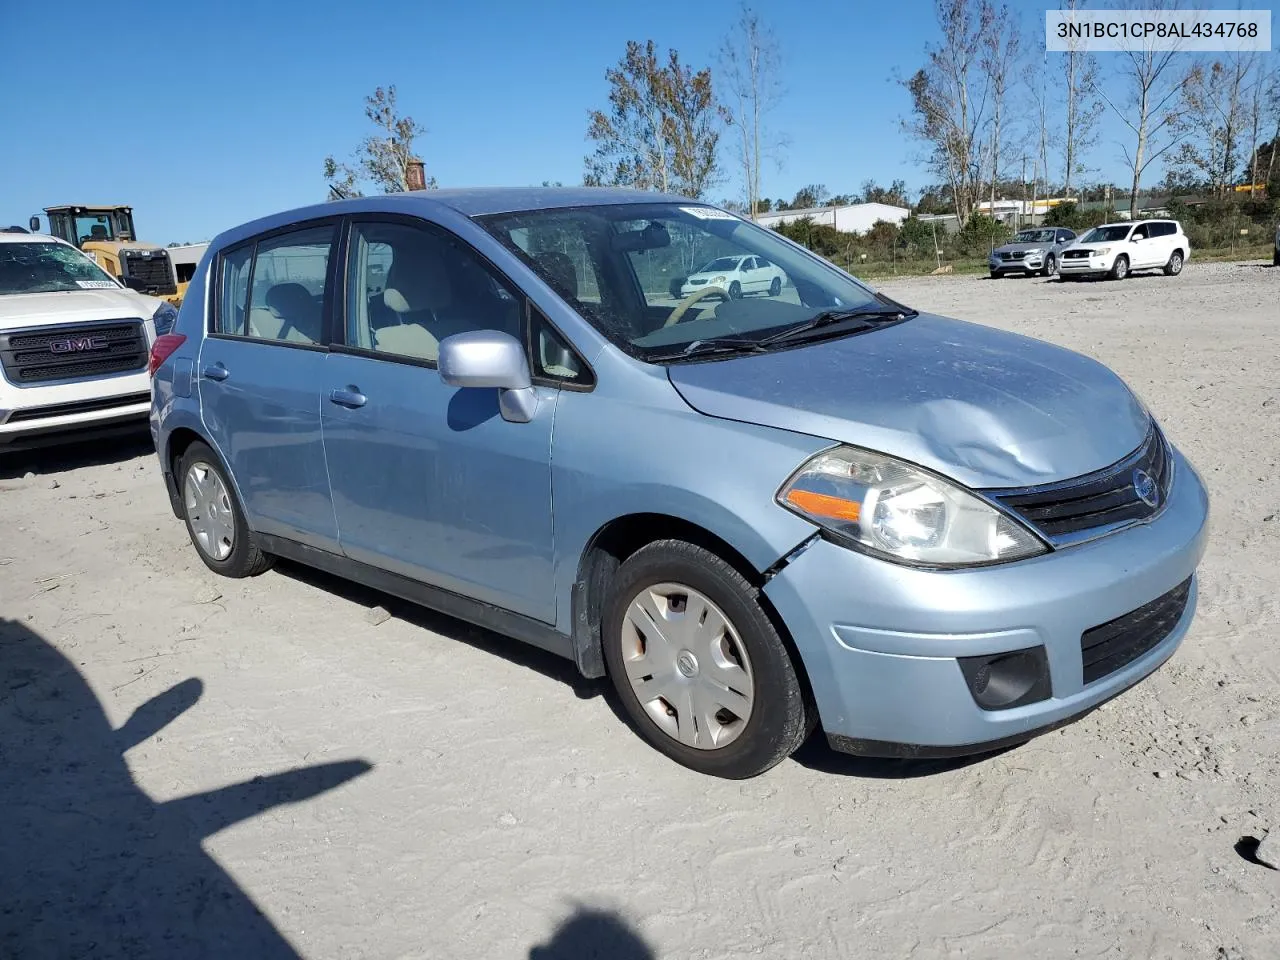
302	782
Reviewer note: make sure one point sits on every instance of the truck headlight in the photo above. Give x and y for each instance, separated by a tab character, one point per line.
164	318
890	508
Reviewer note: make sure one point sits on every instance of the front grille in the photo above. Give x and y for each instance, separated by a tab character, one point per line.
696	283
1076	254
64	353
79	406
1016	255
1099	500
1117	643
151	269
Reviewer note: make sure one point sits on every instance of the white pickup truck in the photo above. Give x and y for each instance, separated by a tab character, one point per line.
74	345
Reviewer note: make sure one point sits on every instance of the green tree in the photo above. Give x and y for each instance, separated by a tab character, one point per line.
662	128
382	160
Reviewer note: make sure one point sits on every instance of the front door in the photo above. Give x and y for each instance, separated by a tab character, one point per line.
429	481
260	372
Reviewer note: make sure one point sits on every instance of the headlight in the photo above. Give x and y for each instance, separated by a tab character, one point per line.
718	280
164	318
1034	253
1101	251
884	506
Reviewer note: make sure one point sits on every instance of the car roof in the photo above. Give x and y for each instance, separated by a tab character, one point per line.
6	237
470	202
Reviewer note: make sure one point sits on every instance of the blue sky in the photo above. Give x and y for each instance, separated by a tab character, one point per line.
230	115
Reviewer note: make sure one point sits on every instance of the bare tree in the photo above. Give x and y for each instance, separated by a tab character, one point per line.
662	128
1152	108
1215	116
384	159
947	113
1083	108
752	64
999	62
1265	92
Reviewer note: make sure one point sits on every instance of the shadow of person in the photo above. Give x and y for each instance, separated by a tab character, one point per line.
90	865
592	934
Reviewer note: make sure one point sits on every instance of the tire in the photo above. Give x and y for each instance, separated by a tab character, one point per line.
735	291
1050	266
1119	269
994	274
226	544
1174	266
775	286
1275	257
744	660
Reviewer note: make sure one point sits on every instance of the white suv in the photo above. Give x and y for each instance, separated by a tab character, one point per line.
1117	249
731	277
74	345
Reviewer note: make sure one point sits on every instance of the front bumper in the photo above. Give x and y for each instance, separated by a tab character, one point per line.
1029	264
881	641
688	290
1085	266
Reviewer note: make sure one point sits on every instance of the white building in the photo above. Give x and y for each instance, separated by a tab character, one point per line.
852	218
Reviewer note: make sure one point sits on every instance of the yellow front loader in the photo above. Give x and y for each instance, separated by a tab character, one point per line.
107	234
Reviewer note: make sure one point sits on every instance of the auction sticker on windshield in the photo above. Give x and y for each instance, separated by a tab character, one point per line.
708	213
95	285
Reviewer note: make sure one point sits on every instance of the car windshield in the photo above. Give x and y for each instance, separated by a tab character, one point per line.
632	271
1106	234
723	263
1034	236
48	268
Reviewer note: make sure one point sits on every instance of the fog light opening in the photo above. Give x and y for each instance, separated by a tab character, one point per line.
1015	678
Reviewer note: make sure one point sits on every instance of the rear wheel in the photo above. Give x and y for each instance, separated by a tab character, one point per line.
215	521
775	286
700	669
1174	266
1120	269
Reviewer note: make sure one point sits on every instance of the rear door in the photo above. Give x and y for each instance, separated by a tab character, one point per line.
260	372
429	481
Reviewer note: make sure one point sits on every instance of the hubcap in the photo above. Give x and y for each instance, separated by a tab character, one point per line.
1177	262
1122	268
1051	267
687	665
209	511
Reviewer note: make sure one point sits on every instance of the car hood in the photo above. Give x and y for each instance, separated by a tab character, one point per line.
982	406
73	306
1015	247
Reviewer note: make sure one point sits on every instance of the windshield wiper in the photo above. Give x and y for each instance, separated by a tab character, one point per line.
698	348
829	317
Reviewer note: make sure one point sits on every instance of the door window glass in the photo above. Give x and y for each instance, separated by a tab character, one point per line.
410	287
287	300
233	292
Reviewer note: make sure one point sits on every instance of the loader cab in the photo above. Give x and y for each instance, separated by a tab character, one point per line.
79	225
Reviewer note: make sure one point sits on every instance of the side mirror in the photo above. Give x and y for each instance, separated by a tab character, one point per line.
34	224
490	358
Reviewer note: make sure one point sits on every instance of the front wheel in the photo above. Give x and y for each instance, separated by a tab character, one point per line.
1050	265
1174	266
1120	269
775	286
735	291
699	667
215	521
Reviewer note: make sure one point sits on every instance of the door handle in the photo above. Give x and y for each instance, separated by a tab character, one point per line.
350	397
216	371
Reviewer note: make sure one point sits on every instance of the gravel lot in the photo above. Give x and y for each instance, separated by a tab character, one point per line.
311	784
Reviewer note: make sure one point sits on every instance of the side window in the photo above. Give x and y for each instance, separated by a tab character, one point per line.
1065	236
1139	234
233	290
410	287
552	356
287	299
1162	230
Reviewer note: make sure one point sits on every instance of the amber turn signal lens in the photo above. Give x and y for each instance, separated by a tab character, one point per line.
822	505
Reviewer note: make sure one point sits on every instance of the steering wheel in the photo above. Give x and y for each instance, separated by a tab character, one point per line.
683	306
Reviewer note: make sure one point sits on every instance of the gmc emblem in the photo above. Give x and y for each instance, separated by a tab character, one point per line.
78	344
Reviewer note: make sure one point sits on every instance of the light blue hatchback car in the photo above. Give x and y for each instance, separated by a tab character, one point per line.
809	506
